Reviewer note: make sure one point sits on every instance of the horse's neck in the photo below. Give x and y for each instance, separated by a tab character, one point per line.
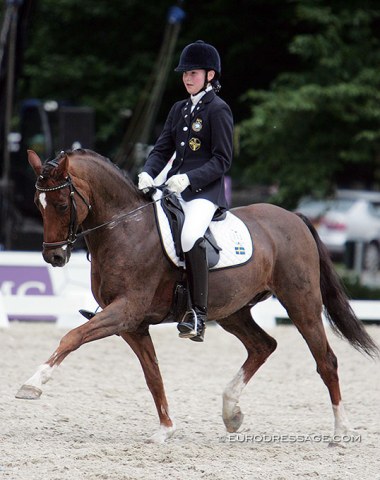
110	193
115	202
112	199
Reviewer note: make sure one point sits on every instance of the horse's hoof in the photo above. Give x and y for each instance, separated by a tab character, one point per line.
162	435
29	392
233	424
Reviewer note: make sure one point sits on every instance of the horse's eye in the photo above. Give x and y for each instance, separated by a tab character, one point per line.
61	208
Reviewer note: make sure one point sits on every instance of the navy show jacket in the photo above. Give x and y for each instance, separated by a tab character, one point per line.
203	143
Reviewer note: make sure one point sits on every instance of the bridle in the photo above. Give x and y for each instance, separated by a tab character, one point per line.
73	225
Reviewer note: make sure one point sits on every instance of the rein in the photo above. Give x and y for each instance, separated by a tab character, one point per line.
119	218
73	226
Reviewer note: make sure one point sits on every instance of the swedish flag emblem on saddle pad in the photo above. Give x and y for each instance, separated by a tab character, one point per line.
231	235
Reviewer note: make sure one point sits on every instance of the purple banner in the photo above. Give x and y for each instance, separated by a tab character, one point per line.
26	280
23	280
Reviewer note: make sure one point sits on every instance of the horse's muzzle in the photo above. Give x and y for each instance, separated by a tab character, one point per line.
57	257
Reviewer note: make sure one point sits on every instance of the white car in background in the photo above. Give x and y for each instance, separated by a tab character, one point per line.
349	218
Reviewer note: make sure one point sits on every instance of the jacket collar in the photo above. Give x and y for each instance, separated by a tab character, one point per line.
210	95
186	109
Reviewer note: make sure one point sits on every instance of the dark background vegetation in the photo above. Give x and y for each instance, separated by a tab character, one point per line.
301	76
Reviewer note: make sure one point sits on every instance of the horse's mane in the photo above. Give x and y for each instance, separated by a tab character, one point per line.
84	152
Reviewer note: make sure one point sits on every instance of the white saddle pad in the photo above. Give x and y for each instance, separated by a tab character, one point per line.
231	235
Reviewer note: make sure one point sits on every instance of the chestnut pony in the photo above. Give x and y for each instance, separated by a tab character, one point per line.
133	281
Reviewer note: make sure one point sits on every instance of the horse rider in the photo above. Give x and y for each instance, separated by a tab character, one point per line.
199	130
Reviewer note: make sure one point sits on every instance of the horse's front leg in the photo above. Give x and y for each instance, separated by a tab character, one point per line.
102	325
141	343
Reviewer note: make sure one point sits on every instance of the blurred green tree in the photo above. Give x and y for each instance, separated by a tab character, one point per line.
319	125
301	77
100	54
93	53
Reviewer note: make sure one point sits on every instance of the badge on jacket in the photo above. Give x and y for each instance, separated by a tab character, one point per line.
194	144
197	125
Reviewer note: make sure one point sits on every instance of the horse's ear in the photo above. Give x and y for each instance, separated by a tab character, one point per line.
63	165
35	162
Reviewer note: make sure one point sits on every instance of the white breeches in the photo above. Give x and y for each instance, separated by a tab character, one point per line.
198	216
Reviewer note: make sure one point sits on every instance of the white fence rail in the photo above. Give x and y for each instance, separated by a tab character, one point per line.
266	313
33	290
30	289
64	309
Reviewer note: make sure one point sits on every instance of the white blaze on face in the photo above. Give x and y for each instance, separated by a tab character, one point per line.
42	199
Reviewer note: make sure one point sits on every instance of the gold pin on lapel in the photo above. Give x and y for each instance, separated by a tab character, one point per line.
194	144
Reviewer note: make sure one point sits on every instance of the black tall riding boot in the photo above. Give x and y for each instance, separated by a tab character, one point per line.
192	324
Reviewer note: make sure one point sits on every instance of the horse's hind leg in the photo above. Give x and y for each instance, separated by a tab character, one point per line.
259	346
306	315
141	343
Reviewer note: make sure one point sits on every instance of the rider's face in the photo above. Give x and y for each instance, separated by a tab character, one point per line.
194	80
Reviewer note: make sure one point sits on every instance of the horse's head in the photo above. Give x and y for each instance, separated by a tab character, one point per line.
56	198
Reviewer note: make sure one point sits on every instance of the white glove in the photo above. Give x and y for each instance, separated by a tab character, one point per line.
145	182
178	183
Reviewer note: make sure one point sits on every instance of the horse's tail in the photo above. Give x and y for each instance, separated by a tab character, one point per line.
337	307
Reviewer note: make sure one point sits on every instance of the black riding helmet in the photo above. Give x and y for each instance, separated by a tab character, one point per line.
201	55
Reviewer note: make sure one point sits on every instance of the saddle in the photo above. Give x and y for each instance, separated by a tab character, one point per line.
176	217
228	244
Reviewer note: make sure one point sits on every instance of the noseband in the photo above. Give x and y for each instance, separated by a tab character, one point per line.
73	225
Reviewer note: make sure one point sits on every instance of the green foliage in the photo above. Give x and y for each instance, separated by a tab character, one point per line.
357	291
314	123
93	53
101	54
301	77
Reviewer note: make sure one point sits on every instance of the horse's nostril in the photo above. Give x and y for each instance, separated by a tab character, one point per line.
57	257
58	260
